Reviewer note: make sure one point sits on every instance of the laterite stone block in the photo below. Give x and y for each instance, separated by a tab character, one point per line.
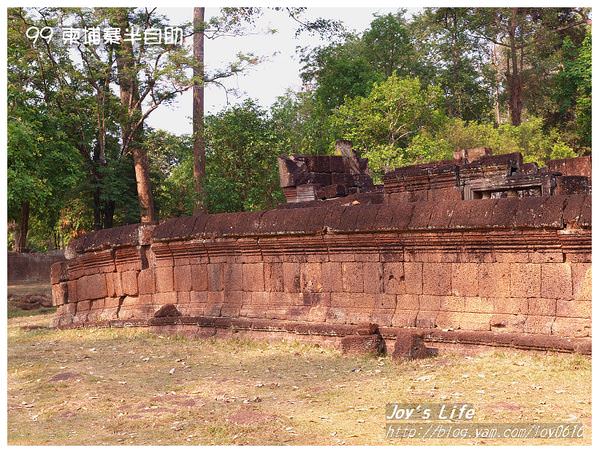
464	279
556	281
164	279
253	276
436	278
525	280
182	277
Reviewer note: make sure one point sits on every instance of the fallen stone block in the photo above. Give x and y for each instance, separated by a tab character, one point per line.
363	344
367	329
32	301
410	346
167	311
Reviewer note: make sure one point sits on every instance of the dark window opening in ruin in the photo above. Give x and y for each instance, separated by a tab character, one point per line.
483	194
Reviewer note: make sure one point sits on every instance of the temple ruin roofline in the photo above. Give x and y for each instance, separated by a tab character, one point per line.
382	214
473	173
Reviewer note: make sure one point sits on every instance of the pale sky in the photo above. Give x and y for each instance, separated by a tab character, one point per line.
265	81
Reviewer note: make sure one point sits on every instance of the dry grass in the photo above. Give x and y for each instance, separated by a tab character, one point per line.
126	386
24	289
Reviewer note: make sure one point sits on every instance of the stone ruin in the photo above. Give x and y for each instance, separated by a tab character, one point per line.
309	178
480	250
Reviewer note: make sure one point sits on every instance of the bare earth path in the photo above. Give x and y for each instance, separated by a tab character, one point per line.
126	386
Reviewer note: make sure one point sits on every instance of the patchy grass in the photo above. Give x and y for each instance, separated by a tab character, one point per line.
25	289
126	386
13	311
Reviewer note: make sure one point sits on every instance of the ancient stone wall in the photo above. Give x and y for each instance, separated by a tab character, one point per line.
497	271
477	174
31	267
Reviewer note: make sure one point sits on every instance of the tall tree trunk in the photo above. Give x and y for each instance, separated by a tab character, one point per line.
132	133
144	186
495	63
109	214
96	207
199	141
97	179
515	79
99	156
22	229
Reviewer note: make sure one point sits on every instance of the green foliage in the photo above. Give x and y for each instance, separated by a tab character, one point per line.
573	93
44	170
530	139
425	147
171	169
402	122
340	71
446	42
384	123
241	165
350	68
388	46
302	125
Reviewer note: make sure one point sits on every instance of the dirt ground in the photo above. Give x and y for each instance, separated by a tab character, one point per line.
26	288
127	386
21	290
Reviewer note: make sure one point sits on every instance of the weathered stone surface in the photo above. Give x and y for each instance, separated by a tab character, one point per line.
107	238
129	283
199	277
525	280
582	276
145	281
570	185
410	346
494	279
182	278
464	279
58	272
164	279
91	287
167	311
556	280
363	344
436	278
577	212
59	294
577	166
367	329
253	277
36	301
306	178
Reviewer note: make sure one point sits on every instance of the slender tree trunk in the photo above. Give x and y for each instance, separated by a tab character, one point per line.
129	94
144	190
97	209
99	156
22	228
109	214
199	141
97	179
515	80
495	62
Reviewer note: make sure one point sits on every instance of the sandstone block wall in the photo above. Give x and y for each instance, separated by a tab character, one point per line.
31	267
494	271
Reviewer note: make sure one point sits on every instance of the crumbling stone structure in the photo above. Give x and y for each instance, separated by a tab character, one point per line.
481	250
477	174
308	178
